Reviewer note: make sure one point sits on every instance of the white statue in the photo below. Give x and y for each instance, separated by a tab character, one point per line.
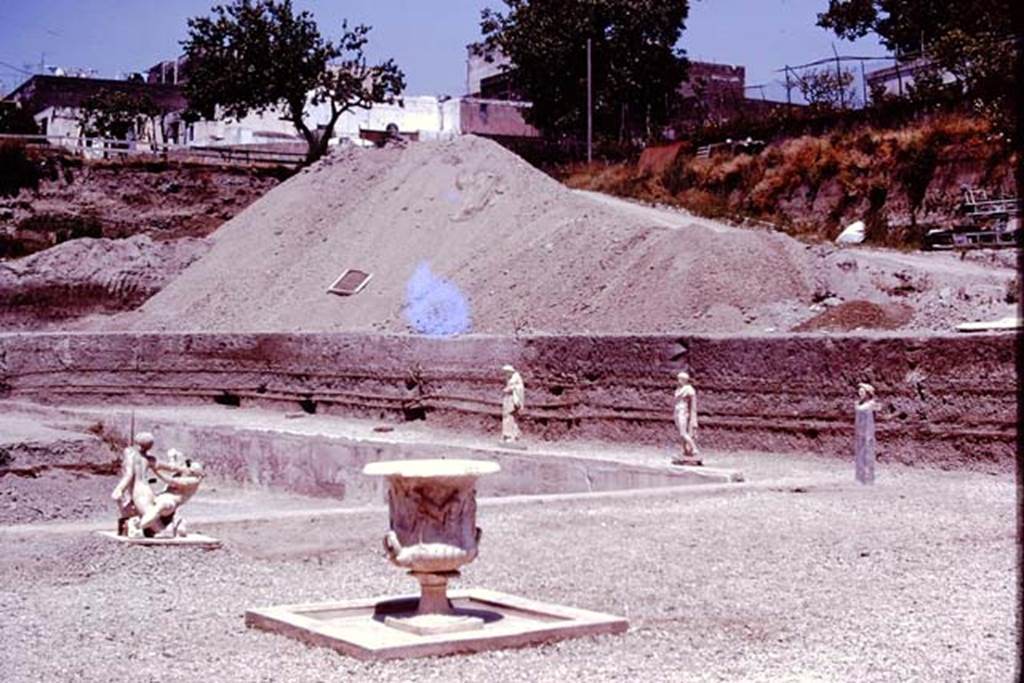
864	434
144	513
511	404
686	420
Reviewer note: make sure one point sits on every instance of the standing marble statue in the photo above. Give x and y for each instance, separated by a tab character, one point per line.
686	420
143	512
511	404
864	434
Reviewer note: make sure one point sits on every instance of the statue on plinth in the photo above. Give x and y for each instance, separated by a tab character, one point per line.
685	415
864	434
511	404
145	513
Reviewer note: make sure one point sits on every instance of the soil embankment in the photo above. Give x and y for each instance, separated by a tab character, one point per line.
54	287
899	181
88	237
946	400
463	236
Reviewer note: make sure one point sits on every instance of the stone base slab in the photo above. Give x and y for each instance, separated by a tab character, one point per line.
192	540
359	628
688	462
433	624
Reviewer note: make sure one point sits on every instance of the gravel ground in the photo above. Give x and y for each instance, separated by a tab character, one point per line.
811	580
54	495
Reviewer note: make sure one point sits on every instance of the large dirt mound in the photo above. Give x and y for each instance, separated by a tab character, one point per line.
464	236
442	224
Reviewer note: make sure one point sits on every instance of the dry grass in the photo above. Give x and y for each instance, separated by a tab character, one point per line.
899	181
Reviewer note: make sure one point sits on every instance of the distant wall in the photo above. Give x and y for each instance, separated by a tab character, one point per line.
495	117
946	400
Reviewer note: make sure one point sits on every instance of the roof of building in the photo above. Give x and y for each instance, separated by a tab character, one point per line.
41	92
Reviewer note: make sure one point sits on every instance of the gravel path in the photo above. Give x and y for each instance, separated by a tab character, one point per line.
811	580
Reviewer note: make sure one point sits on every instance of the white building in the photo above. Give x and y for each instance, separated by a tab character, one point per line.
421	117
898	80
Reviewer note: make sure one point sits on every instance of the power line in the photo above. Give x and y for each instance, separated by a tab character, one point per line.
17	68
829	60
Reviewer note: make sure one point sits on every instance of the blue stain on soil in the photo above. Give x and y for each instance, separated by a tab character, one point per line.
435	306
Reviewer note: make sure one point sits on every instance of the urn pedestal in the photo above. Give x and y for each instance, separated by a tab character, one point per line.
432	534
432	505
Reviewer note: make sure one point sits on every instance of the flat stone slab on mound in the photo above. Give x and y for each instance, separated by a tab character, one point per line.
192	540
359	628
1009	323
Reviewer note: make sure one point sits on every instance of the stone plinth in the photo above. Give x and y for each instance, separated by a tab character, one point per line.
864	444
192	540
359	628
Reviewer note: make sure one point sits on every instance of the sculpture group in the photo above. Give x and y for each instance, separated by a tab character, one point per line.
144	512
148	513
432	535
685	418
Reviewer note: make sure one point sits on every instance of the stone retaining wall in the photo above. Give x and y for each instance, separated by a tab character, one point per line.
946	400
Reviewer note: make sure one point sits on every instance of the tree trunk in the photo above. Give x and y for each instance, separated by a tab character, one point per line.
318	149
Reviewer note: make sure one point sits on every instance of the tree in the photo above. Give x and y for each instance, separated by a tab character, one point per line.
907	26
117	115
827	89
16	121
636	66
257	55
974	42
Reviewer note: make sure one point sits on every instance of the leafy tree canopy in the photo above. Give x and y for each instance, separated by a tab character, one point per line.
255	55
826	89
973	42
904	25
16	121
636	66
117	115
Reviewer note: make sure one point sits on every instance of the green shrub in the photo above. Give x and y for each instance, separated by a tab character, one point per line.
17	171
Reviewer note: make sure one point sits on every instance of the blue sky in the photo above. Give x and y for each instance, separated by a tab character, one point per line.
427	38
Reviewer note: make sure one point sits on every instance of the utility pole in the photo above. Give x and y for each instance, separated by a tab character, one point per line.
590	107
864	82
789	90
839	79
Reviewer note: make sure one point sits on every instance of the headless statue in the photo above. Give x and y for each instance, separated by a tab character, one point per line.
864	434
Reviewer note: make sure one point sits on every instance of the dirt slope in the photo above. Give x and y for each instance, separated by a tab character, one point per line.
117	199
463	236
88	276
